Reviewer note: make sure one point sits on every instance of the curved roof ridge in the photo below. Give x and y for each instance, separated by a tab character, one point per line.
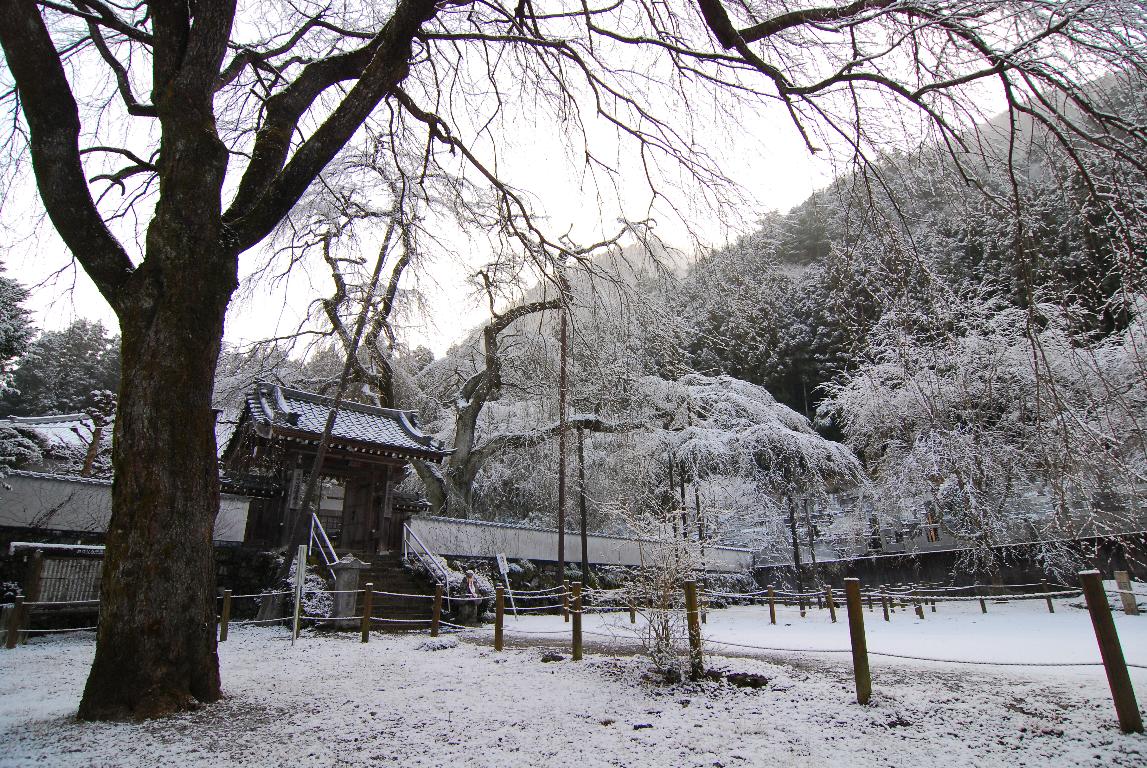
60	418
276	405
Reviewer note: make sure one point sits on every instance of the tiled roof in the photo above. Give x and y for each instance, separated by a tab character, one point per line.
74	429
276	407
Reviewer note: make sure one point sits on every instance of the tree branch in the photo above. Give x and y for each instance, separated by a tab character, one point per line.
54	124
271	185
123	82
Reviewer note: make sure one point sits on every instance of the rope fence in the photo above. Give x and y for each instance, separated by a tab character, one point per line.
403	594
575	603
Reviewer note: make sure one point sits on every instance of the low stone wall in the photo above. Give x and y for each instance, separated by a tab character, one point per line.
455	538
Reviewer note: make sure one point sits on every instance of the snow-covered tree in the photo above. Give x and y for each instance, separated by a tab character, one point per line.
60	370
15	327
997	424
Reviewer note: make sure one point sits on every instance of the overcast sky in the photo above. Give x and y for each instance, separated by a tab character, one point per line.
764	155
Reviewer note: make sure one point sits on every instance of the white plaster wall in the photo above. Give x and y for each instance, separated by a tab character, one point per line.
37	501
451	537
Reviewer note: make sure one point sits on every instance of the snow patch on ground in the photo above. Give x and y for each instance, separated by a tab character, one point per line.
331	700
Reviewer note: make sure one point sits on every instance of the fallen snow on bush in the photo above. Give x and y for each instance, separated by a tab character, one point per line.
330	700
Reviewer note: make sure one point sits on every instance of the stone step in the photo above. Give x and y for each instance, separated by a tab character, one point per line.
388	573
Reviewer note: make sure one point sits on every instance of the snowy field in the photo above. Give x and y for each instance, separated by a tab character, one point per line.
332	701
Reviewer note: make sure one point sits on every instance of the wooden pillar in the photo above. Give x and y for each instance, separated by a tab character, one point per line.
577	649
1046	588
436	618
225	615
565	601
36	576
884	606
15	621
632	608
1111	652
367	610
1126	596
860	668
830	603
696	659
772	607
499	615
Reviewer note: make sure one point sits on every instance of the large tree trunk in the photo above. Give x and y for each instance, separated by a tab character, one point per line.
159	567
156	646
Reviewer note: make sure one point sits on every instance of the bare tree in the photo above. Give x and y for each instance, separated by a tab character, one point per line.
185	105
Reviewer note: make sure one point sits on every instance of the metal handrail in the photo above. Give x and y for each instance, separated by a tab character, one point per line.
426	559
330	557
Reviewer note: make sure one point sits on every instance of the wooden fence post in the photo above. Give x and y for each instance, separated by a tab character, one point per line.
225	616
831	603
367	610
15	619
1126	596
565	601
860	668
983	603
696	659
1111	652
701	605
884	606
576	654
772	607
1046	588
632	607
499	615
436	617
933	605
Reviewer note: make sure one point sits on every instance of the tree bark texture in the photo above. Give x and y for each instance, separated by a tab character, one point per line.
155	650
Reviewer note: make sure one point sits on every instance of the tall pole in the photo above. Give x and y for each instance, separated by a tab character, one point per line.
581	503
796	543
811	541
562	386
700	523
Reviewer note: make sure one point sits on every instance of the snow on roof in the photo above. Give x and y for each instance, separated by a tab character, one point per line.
241	487
77	548
59	476
293	410
67	429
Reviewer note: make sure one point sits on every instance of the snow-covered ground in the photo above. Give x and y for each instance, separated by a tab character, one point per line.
332	701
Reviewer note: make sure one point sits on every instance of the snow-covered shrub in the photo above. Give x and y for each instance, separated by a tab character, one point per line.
438	644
